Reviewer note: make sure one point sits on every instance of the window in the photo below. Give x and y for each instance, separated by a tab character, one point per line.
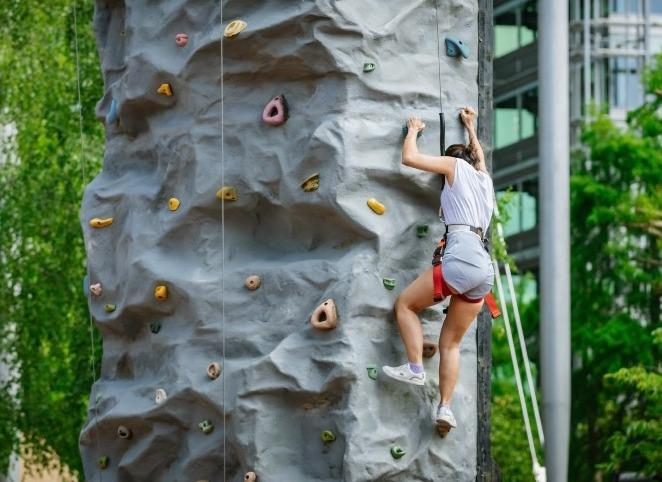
516	118
522	210
626	90
515	28
656	7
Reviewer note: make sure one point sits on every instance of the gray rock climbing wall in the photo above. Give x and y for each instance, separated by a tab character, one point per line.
283	382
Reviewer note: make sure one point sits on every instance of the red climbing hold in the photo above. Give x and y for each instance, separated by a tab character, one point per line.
275	112
181	39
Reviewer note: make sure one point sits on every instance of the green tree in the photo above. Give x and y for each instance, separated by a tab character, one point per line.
44	328
616	236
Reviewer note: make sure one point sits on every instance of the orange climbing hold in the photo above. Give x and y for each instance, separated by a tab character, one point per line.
165	89
101	222
173	204
161	292
325	316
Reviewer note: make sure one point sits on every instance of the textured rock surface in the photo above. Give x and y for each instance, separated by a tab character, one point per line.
282	381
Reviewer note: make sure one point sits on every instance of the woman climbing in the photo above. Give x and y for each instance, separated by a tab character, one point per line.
467	275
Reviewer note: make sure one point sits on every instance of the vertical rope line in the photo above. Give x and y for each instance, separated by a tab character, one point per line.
436	16
223	254
84	179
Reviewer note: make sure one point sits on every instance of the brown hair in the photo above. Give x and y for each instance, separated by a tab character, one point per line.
461	152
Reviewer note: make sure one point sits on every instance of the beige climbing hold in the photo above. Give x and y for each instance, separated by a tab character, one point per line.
234	28
123	432
429	349
96	289
161	292
311	183
214	370
165	89
227	193
376	206
101	222
250	477
160	396
325	316
173	204
253	282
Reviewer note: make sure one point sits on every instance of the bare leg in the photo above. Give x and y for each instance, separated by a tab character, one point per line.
414	298
460	316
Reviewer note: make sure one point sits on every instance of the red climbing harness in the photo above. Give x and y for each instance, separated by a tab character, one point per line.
442	290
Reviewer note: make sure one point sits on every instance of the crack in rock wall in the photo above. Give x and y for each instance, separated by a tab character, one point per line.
282	382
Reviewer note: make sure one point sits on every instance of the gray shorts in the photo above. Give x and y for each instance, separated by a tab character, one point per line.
466	265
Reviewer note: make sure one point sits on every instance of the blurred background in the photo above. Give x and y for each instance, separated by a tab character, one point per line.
616	227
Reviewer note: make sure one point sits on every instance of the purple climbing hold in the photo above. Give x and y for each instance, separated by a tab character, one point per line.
275	112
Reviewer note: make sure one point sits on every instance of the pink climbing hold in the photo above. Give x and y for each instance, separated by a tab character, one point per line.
181	39
275	112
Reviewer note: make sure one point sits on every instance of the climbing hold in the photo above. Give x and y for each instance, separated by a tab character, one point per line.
455	47
429	349
328	436
276	111
253	282
165	89
160	396
372	371
369	66
311	183
155	327
250	477
422	230
234	28
123	432
86	285
376	206
173	204
206	426
397	452
111	116
325	316
181	39
214	370
95	289
101	222
405	131
227	193
102	462
389	283
161	292
109	308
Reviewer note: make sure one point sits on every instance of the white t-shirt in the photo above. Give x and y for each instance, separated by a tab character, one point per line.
470	200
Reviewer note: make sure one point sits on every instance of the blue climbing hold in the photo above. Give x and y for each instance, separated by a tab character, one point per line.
111	117
455	47
86	285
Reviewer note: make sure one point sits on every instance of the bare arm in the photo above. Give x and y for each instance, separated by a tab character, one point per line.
468	116
411	157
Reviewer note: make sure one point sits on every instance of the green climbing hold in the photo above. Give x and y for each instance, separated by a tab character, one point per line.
405	130
328	436
155	327
206	426
102	462
389	283
422	230
455	47
109	308
397	452
369	66
372	371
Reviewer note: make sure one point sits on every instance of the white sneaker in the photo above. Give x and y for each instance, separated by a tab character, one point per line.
445	420
404	374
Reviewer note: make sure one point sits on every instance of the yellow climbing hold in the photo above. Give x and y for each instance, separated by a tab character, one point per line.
165	89
161	292
234	28
311	183
376	206
227	193
173	204
101	222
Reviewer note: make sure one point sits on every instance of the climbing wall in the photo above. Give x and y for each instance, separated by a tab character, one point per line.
208	375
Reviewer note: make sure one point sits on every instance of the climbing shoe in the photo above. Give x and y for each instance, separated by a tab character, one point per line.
404	374
444	420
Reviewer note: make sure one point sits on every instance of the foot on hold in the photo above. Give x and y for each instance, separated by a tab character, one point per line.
403	373
444	420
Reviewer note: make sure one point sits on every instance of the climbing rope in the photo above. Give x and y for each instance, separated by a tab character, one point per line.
442	124
84	179
537	469
223	251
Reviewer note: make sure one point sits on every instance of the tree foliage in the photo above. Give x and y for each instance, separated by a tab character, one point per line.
44	327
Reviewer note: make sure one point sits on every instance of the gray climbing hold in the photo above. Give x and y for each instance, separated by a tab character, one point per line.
455	47
86	285
111	116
